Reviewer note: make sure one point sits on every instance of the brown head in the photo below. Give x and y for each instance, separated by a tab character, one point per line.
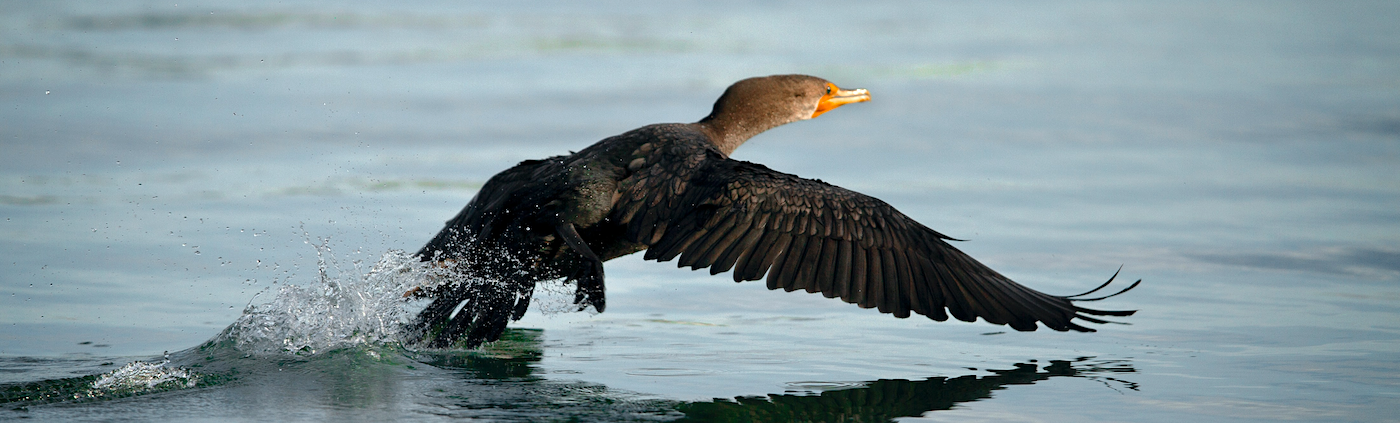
754	105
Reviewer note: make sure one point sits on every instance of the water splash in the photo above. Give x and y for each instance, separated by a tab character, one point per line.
341	309
351	308
140	377
135	378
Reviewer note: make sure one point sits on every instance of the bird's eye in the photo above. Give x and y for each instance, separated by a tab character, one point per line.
828	89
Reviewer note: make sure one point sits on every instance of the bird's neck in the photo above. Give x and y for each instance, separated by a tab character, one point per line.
728	131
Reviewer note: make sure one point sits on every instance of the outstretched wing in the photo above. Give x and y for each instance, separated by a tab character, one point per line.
711	211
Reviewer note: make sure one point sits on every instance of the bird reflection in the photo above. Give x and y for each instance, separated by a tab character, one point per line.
499	382
885	400
514	357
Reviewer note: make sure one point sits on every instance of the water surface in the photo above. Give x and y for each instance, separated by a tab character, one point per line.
165	166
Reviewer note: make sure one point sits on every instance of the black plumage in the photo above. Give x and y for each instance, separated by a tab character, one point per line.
672	190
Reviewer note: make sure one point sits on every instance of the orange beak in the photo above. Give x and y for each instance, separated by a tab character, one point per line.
837	97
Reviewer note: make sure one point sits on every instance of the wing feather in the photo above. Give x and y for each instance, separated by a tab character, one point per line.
792	260
874	280
756	263
806	269
826	267
919	282
904	288
841	285
699	256
723	214
859	273
739	245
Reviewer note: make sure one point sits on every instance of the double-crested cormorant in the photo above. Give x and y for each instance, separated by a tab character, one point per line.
671	189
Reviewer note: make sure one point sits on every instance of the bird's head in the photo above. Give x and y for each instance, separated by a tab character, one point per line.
754	105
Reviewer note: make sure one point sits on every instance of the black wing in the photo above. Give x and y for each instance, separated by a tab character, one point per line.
725	214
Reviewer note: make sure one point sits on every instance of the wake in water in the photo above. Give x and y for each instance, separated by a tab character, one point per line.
364	314
140	376
135	378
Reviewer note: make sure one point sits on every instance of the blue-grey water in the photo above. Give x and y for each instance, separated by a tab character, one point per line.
206	206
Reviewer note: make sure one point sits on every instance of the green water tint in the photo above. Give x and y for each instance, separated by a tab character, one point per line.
501	381
511	357
136	378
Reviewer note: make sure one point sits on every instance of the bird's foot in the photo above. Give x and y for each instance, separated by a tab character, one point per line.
590	287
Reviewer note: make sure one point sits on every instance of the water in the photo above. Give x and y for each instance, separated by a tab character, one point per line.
203	206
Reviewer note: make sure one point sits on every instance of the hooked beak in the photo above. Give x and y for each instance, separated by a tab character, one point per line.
837	97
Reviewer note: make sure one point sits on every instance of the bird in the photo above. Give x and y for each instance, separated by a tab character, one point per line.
672	190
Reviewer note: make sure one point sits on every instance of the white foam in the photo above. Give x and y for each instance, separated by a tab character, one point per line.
139	377
337	311
343	309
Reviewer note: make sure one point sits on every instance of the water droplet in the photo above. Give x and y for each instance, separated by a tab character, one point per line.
46	92
196	252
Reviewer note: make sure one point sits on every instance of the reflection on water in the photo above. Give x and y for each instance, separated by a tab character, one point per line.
885	400
498	382
511	357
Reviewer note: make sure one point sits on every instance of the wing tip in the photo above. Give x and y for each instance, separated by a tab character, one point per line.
1084	313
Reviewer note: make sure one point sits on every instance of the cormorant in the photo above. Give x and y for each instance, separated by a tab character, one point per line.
672	190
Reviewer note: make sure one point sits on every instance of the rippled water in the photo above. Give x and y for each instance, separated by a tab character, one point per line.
205	207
